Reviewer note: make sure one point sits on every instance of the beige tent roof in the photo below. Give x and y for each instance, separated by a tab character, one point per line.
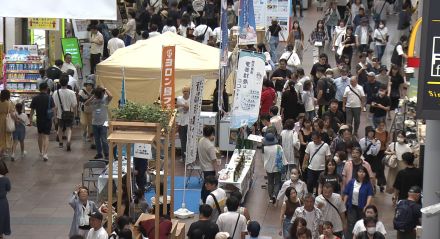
142	66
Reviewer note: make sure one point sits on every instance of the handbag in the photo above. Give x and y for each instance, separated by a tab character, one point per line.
280	165
65	115
391	160
10	123
306	163
318	43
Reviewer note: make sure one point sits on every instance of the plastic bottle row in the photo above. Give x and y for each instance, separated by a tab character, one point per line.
23	67
21	76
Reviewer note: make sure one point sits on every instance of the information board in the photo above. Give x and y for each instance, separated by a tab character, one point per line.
428	99
71	45
49	24
266	10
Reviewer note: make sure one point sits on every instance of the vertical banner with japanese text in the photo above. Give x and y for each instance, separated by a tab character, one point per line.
194	124
248	84
246	22
167	93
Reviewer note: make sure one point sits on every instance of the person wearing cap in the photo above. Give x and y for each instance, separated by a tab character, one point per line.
363	35
317	152
406	178
96	230
271	152
404	225
371	88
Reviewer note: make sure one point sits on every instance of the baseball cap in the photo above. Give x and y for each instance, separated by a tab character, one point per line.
415	189
96	215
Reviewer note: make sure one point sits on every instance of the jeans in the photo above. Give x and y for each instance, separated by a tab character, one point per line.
204	193
183	130
329	33
312	179
94	60
273	184
295	3
100	134
380	50
127	40
273	44
353	114
310	114
353	215
377	120
341	10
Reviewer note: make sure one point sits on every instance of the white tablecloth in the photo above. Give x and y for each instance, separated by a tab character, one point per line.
103	178
244	182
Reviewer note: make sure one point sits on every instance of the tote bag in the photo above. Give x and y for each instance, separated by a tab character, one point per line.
10	123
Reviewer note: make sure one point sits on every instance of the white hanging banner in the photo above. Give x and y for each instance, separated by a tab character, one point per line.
79	9
248	83
194	125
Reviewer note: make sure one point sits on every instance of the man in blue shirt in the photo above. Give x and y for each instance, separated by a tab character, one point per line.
341	83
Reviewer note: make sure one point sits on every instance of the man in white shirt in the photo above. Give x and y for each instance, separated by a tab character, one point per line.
115	43
182	105
96	47
153	31
73	83
68	65
275	119
68	103
204	31
317	152
218	35
97	231
353	101
333	209
211	185
231	220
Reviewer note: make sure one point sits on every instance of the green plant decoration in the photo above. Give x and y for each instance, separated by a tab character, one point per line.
147	113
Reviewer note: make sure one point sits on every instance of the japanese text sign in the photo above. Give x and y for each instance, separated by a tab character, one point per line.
167	93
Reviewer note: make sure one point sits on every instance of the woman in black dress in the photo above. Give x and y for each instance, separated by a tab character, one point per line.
5	187
349	42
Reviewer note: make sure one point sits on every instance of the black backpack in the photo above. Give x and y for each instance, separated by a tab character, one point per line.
329	89
403	218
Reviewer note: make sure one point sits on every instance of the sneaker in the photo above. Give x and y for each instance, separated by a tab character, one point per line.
23	154
68	147
12	157
45	158
60	145
274	200
271	201
98	156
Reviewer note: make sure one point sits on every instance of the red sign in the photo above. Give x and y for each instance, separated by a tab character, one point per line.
167	93
413	62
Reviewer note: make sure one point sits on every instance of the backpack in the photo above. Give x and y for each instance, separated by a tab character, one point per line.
403	218
329	89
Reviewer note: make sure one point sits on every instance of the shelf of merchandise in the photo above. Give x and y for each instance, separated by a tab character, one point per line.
21	76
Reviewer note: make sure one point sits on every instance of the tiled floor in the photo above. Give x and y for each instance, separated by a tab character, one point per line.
41	190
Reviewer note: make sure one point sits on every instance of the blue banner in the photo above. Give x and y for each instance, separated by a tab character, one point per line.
123	99
246	22
225	38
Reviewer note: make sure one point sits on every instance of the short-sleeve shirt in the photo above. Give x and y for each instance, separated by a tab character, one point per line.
405	179
322	85
333	179
279	84
200	30
317	163
360	227
329	213
220	196
99	110
353	100
378	112
40	104
207	154
68	99
202	229
226	223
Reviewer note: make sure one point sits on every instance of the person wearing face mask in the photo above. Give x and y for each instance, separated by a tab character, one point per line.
398	147
371	232
207	156
295	182
370	211
380	105
82	207
381	37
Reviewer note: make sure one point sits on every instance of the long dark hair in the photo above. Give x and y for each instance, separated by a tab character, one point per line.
299	26
5	95
367	175
317	25
326	166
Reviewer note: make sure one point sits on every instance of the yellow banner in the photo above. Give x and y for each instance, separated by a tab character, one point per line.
51	24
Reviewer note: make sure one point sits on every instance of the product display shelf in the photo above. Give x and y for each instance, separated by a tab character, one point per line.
21	76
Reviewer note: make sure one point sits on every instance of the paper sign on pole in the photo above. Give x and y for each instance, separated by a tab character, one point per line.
50	24
195	123
167	93
247	89
142	151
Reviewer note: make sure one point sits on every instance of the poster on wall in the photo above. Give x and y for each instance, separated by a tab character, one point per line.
80	28
251	69
266	10
195	123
